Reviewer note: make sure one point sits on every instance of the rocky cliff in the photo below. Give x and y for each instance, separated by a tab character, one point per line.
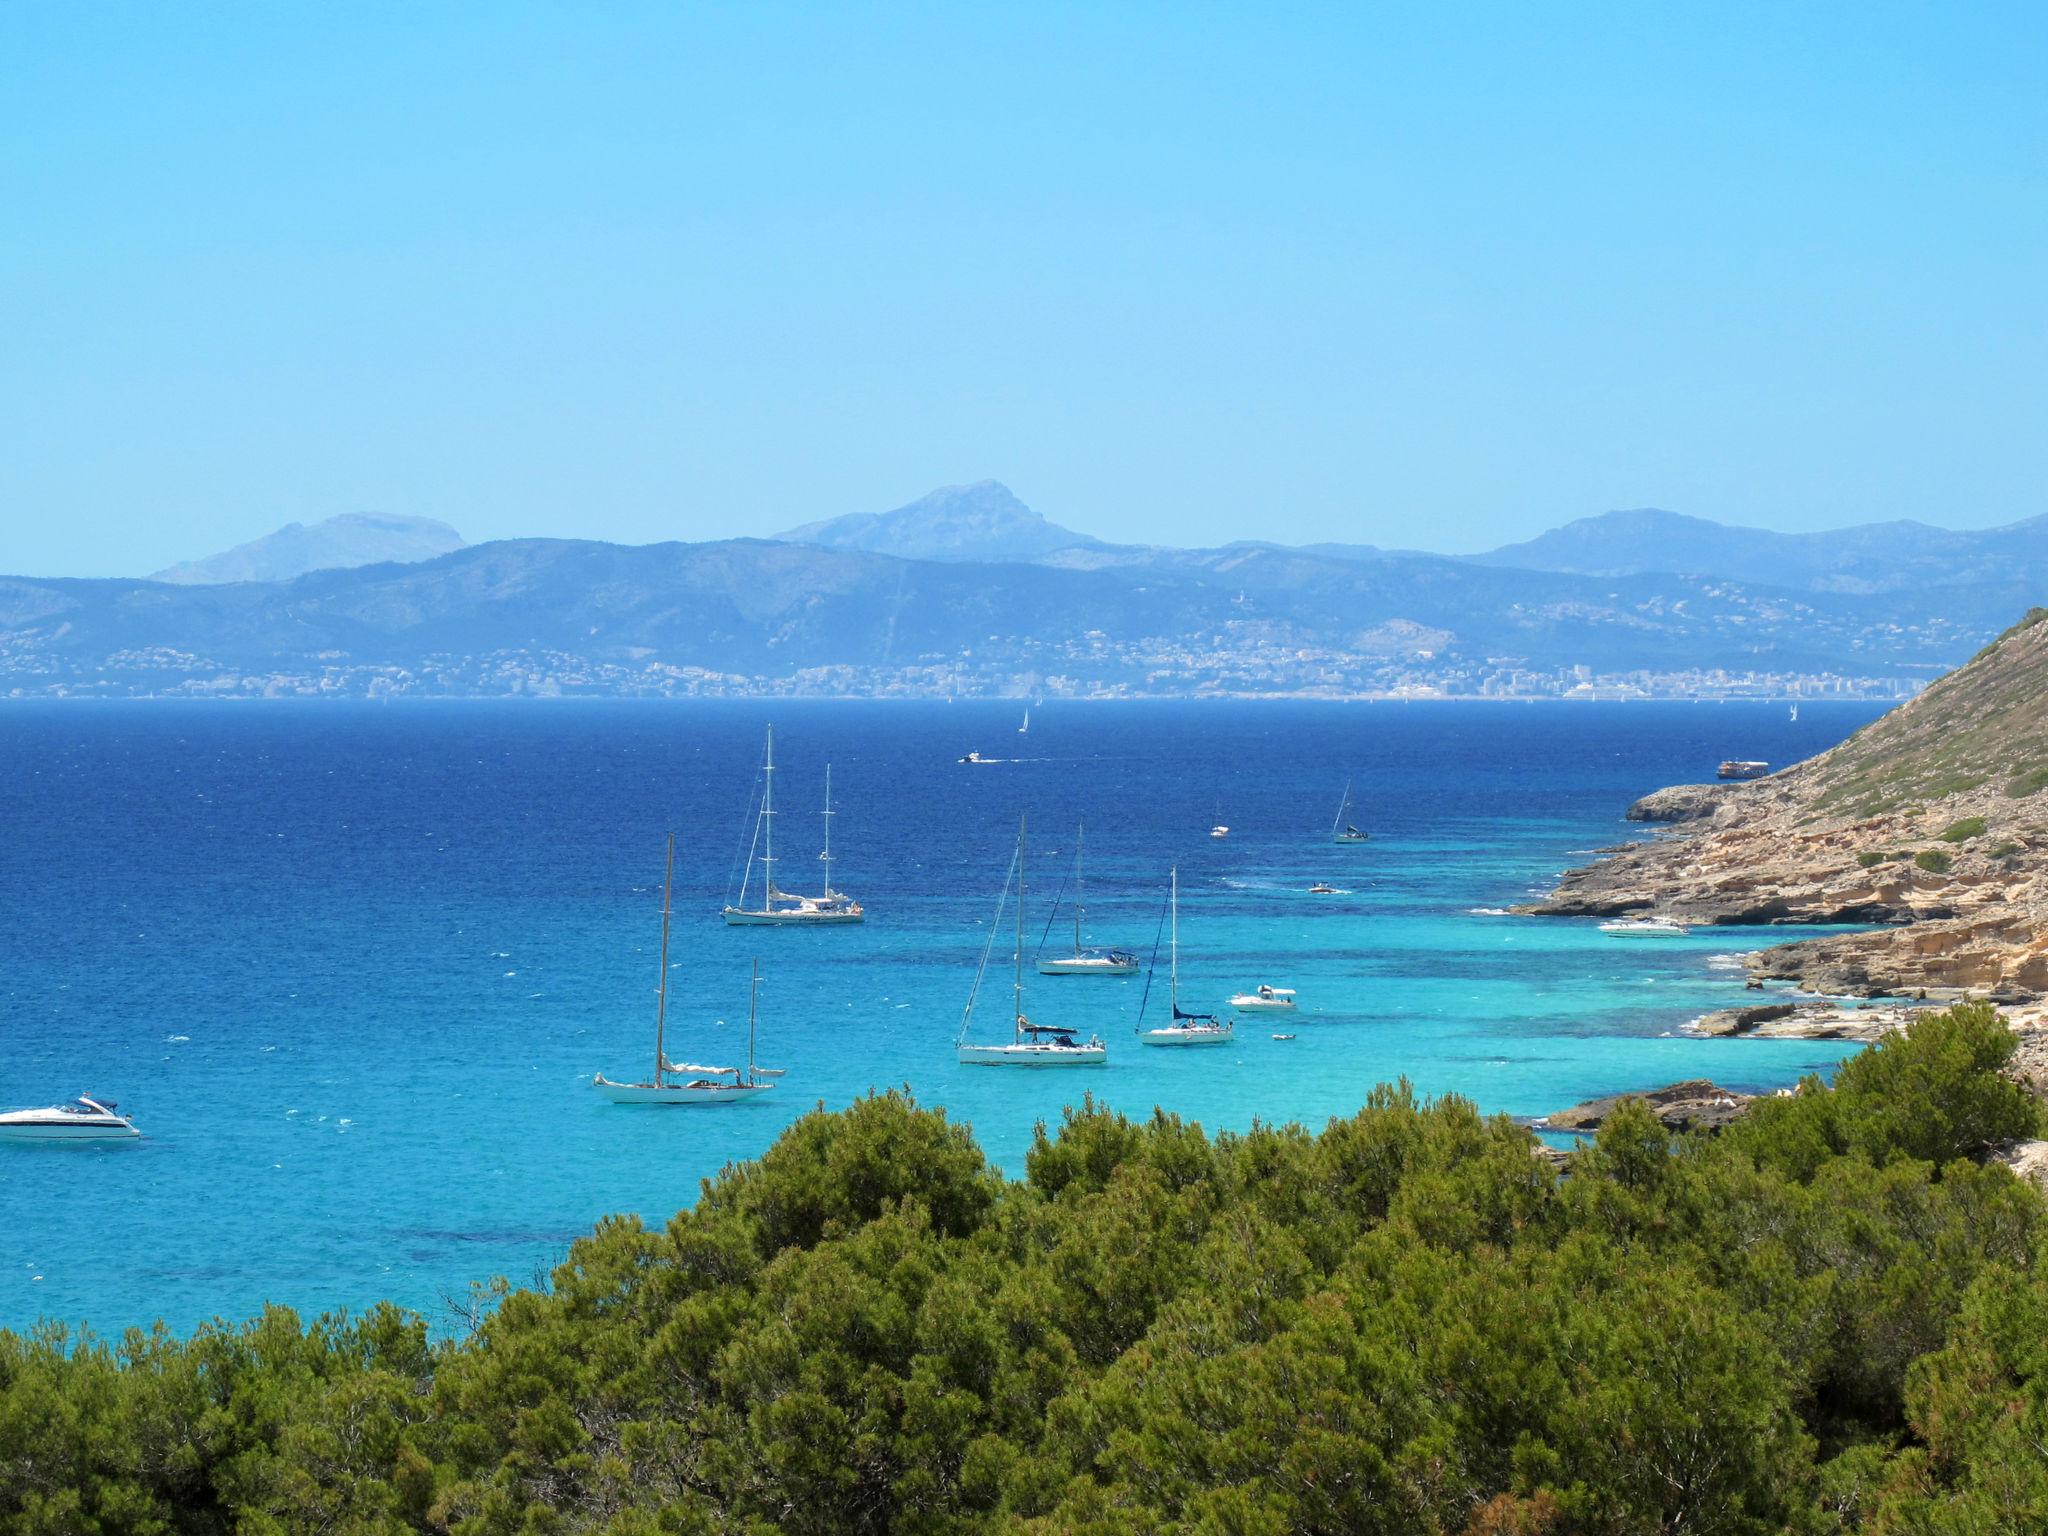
1932	822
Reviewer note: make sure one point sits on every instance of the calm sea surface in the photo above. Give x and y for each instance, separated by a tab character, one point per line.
351	967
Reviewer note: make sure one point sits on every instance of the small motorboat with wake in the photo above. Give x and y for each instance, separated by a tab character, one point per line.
1181	1028
1645	928
1029	1045
1219	831
88	1119
699	1085
1265	1000
1320	888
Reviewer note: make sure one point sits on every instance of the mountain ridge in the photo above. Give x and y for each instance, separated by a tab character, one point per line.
344	541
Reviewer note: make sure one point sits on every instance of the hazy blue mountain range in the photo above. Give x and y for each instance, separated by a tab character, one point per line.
571	615
1871	557
969	591
351	539
983	521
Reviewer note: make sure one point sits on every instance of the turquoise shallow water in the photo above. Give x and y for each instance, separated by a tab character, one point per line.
351	967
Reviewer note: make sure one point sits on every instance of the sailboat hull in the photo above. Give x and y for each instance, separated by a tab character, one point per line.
1172	1036
738	917
1083	965
682	1094
1352	839
1027	1055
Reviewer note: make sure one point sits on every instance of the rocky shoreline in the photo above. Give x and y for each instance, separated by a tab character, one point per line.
1927	831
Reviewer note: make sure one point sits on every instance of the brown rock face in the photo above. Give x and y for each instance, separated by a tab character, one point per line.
1932	822
1693	1105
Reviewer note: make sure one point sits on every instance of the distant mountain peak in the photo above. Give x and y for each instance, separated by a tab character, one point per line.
341	542
981	521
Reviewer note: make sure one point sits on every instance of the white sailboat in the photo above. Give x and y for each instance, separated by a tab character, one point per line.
699	1084
779	907
1025	728
1087	962
1182	1028
1030	1045
88	1119
1795	714
1342	830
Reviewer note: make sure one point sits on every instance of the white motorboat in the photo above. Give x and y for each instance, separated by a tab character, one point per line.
687	1082
1342	830
1219	830
1645	928
1181	1028
780	908
88	1119
976	757
1265	1000
1085	962
1029	1045
1322	889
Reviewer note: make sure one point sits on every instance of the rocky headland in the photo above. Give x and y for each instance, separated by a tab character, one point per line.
1929	826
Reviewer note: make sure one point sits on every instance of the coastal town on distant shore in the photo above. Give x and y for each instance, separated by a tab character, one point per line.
1100	671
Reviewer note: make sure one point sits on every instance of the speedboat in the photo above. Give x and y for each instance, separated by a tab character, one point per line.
1320	889
87	1120
1283	1037
976	757
1743	768
1266	999
1180	1028
698	1084
1645	928
1029	1045
1219	831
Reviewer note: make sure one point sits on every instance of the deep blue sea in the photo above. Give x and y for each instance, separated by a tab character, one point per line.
351	967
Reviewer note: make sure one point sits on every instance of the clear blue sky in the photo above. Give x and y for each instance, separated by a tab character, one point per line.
1423	275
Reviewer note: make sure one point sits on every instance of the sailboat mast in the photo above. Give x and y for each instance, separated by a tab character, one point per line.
768	820
1077	889
827	854
753	1011
1017	957
668	880
1173	973
1342	806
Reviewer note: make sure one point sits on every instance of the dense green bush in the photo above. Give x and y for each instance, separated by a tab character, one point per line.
1829	1318
1962	831
1935	861
1870	858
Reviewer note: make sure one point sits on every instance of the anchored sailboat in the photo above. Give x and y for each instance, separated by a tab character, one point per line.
1030	1045
700	1084
1087	962
780	906
1342	830
1182	1028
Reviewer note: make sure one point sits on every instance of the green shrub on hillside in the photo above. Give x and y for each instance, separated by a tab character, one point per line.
1962	831
1869	858
2030	782
1936	861
1828	1318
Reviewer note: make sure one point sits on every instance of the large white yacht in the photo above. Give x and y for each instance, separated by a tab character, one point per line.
88	1119
779	907
684	1082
